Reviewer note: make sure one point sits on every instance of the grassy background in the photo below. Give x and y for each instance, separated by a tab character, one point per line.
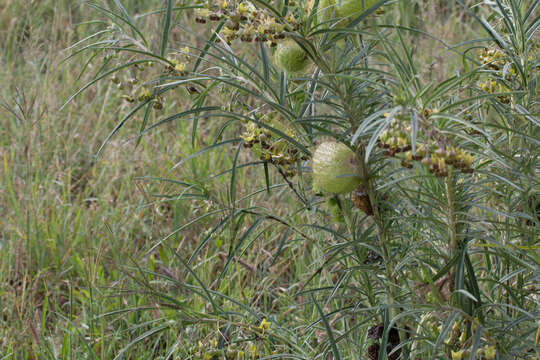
73	227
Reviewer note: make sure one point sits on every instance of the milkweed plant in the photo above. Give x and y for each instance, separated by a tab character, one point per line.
415	203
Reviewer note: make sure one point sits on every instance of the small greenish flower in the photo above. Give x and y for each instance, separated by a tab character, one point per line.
264	325
144	94
458	355
490	352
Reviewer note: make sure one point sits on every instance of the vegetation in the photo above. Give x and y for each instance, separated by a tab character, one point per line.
269	179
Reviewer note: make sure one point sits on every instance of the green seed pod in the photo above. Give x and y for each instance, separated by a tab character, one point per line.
290	57
337	215
335	211
326	9
332	202
351	9
335	168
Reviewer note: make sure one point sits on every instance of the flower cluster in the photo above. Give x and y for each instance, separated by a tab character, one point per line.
211	350
178	63
495	60
134	85
485	353
458	340
130	84
490	86
271	148
396	139
433	150
241	349
459	343
245	22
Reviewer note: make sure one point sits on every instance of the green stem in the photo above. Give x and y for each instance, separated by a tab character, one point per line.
346	211
381	231
384	244
452	232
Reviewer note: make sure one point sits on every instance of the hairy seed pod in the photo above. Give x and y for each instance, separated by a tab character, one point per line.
335	168
326	9
353	8
290	57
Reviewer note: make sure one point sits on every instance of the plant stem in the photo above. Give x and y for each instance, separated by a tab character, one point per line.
384	244
452	232
381	229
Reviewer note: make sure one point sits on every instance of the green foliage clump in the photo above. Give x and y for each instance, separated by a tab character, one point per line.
420	231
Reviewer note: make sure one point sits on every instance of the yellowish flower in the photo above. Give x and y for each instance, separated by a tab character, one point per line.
172	60
180	67
463	335
290	19
468	160
280	27
458	355
264	325
144	94
490	352
202	12
253	351
242	8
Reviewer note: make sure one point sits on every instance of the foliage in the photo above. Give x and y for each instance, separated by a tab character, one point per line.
453	236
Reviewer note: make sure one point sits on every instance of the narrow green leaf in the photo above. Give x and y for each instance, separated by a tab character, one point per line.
166	28
232	187
266	177
204	150
329	331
